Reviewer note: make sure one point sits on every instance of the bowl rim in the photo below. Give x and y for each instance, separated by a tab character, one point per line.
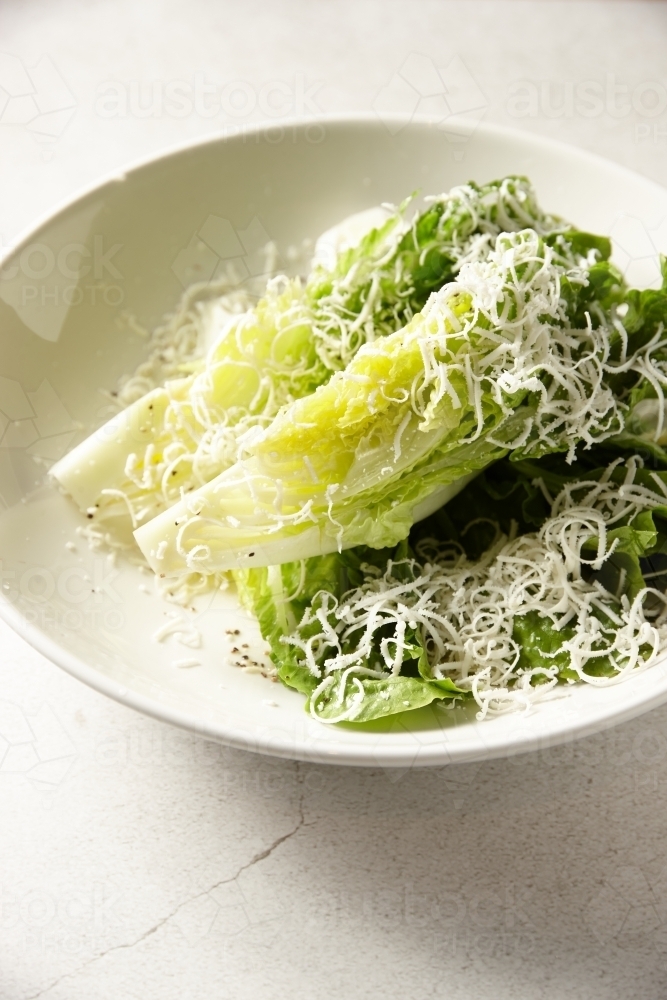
361	118
348	752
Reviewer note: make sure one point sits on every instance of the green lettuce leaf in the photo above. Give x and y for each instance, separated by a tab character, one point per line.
542	645
379	698
508	498
279	596
644	317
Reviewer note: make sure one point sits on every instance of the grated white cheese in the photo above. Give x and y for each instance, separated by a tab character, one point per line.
465	611
186	663
180	630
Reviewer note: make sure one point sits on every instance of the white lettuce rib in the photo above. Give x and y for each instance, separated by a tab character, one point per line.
99	462
225	534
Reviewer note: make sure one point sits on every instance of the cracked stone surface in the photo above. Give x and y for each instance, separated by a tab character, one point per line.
140	863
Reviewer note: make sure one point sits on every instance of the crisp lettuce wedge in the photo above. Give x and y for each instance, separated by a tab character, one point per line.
182	435
490	365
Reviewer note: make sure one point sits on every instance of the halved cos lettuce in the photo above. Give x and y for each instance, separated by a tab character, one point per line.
181	436
490	365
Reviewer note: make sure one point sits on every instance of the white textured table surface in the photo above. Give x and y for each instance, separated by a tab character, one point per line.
137	862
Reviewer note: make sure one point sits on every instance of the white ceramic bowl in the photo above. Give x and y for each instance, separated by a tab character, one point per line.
127	247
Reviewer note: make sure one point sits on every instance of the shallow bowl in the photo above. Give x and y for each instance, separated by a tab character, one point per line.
73	294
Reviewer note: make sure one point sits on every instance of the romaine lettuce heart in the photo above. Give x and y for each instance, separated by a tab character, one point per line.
489	365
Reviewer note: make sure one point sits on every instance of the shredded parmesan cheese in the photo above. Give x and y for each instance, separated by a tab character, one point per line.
180	630
465	611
